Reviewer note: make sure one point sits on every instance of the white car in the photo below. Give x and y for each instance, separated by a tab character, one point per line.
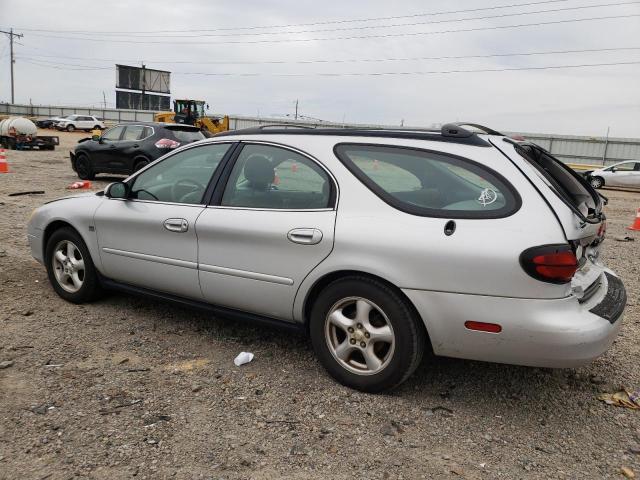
79	122
623	174
380	244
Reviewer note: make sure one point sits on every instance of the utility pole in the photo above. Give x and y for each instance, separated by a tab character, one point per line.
144	87
12	60
296	108
104	100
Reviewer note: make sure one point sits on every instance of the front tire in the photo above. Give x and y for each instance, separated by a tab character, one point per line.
596	182
70	128
70	268
366	335
84	169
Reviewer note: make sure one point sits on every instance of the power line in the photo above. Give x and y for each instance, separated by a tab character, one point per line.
363	37
394	25
328	61
327	22
376	74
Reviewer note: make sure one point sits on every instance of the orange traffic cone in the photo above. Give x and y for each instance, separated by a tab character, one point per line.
79	185
4	166
636	222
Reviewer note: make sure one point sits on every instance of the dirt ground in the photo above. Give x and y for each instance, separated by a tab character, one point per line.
130	387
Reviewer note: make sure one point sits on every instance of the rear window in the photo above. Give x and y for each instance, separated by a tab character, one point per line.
185	135
434	184
561	179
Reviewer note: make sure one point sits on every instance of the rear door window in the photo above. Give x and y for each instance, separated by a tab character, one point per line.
133	132
427	183
271	177
113	134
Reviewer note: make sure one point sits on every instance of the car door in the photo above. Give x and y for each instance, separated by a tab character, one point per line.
270	223
106	148
618	175
83	123
127	149
630	176
149	239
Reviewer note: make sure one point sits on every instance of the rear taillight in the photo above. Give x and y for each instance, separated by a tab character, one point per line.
550	263
167	143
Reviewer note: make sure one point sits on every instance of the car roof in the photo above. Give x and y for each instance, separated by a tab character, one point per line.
450	132
158	124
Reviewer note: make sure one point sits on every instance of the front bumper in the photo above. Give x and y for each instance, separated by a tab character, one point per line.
35	243
556	333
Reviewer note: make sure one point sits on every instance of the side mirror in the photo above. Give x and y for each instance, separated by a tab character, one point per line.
117	190
613	169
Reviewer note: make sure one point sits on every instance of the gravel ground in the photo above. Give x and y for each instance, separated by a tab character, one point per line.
129	387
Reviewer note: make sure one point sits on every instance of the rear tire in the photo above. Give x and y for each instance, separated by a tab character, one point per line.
596	182
96	127
84	168
70	128
70	268
366	335
140	163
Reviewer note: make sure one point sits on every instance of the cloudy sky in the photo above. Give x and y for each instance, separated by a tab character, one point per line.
373	62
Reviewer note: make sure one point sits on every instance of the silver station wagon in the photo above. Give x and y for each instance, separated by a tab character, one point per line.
380	244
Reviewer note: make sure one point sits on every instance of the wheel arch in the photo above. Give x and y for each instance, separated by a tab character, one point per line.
330	277
56	224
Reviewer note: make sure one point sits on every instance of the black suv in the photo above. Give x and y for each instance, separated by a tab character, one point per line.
128	147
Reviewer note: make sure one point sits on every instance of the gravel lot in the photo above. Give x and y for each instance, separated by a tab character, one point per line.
129	387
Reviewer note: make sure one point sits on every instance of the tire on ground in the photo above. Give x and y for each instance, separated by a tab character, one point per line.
84	169
408	329
139	163
91	289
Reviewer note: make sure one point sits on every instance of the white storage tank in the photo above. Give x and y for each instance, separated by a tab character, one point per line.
17	126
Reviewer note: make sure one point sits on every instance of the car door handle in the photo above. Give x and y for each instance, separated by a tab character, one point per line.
305	236
179	225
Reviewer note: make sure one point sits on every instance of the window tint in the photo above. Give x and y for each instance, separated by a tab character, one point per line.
276	178
429	183
113	134
180	178
133	132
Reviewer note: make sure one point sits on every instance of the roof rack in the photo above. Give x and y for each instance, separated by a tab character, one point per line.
459	125
285	126
450	132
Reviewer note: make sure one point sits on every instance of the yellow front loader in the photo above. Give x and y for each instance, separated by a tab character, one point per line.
191	112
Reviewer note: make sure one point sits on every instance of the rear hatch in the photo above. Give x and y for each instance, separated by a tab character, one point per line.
576	205
185	133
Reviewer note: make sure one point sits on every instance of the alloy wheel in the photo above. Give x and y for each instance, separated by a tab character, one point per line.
68	266
359	336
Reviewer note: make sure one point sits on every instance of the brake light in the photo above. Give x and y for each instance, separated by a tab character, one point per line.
550	263
167	143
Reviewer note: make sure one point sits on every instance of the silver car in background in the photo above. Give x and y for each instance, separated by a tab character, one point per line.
380	244
622	174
